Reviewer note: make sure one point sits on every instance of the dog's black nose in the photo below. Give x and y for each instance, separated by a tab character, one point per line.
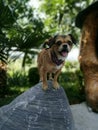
65	46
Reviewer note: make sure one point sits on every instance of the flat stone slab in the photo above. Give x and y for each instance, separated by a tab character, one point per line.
38	110
84	119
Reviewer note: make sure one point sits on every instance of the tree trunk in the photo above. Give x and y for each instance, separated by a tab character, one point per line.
3	79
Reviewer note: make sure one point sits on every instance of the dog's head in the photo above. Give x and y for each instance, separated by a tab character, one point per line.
61	44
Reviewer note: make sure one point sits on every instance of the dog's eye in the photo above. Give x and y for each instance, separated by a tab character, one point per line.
59	43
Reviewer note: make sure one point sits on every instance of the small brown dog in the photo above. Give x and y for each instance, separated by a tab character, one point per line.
51	59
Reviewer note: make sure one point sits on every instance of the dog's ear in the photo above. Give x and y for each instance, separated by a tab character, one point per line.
46	44
52	40
72	38
49	42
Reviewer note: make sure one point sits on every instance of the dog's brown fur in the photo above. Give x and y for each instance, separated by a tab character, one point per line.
89	58
45	58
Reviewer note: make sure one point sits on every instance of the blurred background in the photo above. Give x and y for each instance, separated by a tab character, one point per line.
24	26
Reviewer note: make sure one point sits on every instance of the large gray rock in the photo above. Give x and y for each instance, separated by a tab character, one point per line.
38	110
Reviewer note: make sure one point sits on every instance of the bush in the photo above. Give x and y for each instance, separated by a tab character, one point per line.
33	76
73	83
17	78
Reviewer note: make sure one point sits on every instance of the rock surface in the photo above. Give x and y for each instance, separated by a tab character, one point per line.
84	119
38	110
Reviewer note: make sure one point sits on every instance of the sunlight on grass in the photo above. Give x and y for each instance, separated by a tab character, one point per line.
17	66
19	89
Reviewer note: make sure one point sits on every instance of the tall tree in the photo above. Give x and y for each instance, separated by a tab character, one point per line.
20	32
61	14
6	21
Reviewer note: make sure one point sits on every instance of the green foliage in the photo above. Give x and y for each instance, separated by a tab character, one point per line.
71	66
6	21
22	29
72	86
33	76
61	14
17	78
73	83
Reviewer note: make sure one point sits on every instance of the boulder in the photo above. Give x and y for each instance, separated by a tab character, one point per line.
36	109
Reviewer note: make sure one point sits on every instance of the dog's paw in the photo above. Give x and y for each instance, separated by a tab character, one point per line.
45	87
56	85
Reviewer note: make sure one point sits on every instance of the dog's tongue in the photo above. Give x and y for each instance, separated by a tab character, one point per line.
64	54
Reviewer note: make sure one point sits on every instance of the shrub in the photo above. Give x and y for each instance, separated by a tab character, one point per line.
17	78
73	83
33	76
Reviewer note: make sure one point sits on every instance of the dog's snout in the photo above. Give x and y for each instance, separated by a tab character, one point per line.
65	46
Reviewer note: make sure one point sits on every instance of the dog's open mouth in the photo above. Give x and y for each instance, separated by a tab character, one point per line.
64	53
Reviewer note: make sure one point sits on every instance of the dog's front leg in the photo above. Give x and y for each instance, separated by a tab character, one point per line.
43	78
55	83
45	85
41	73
